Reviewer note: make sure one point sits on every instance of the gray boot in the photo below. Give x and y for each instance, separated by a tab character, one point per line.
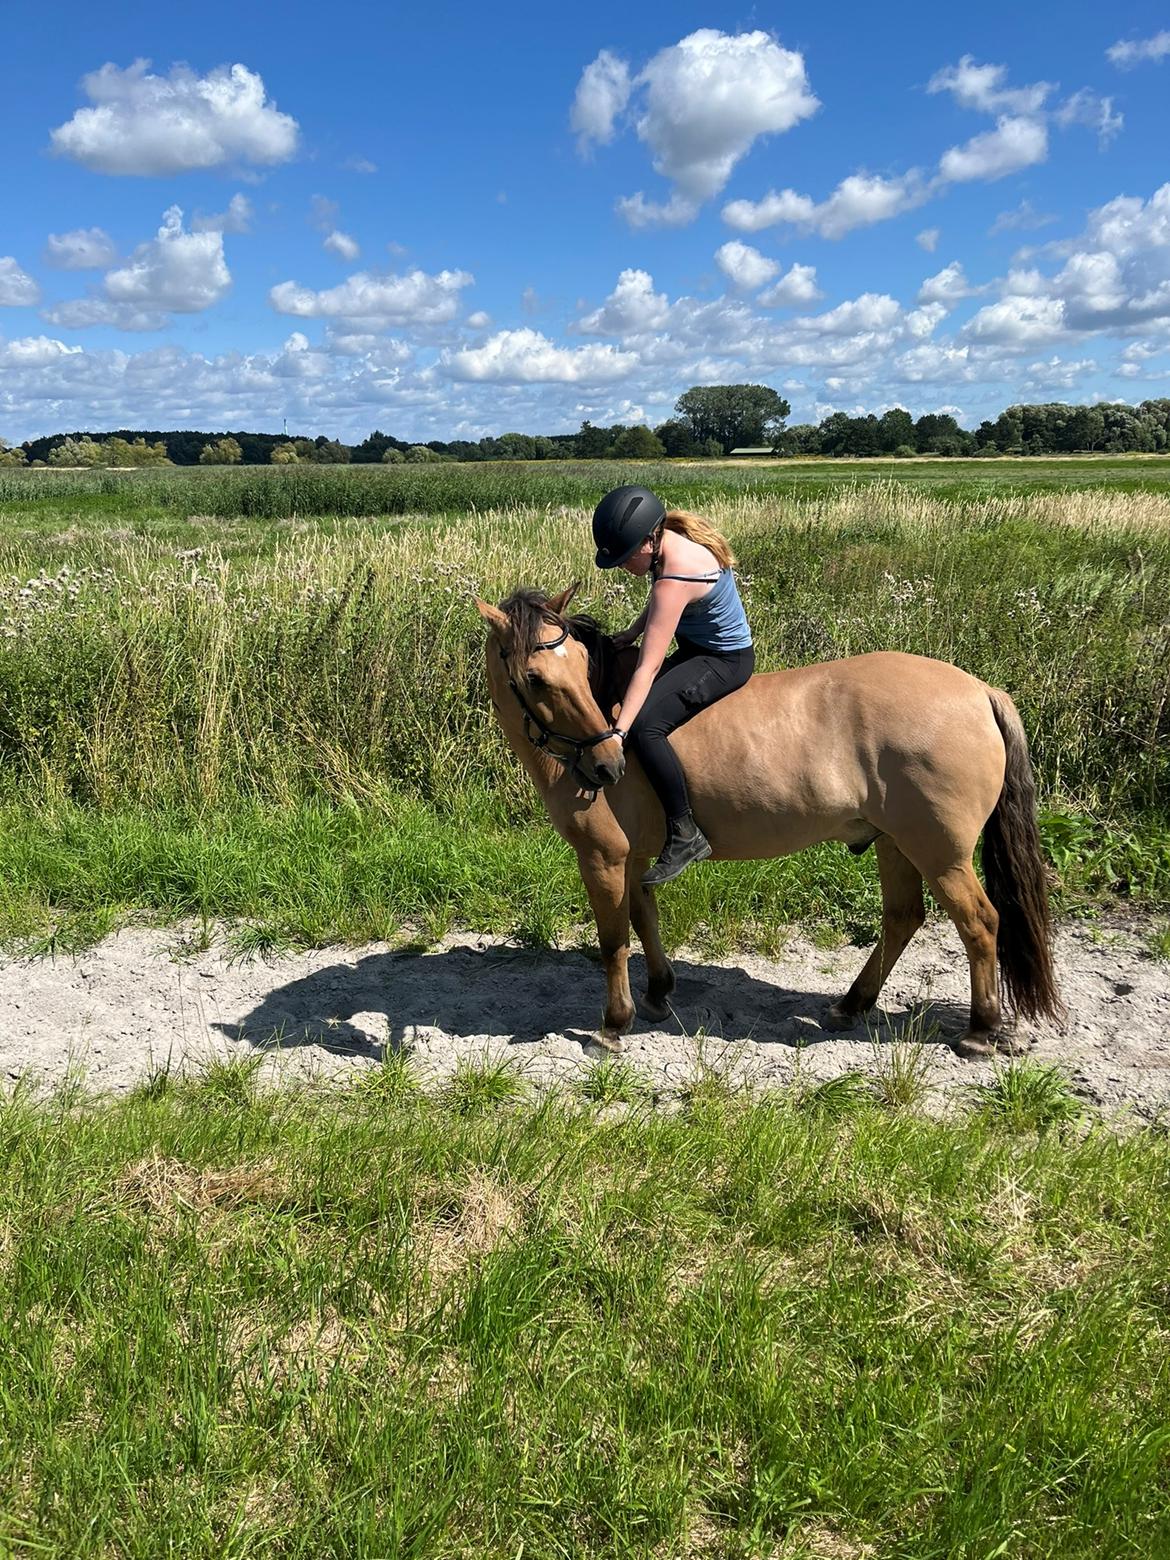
685	842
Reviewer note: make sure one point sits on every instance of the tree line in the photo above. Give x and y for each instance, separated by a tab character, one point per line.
710	422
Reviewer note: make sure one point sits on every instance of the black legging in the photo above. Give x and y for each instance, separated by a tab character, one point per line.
690	680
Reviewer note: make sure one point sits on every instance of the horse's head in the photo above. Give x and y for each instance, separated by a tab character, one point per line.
539	663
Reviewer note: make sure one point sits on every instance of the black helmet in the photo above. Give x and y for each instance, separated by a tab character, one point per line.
622	522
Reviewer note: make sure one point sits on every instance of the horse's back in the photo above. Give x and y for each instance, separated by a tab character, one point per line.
899	741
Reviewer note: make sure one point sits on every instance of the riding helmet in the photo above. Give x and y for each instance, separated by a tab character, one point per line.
622	522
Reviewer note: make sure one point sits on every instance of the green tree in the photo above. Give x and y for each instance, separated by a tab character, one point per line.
675	438
736	415
330	452
284	455
11	456
223	452
77	452
895	427
391	456
638	443
593	443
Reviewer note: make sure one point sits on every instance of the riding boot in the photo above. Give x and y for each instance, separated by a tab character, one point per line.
685	842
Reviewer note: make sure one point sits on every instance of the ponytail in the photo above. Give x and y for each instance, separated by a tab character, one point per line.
702	531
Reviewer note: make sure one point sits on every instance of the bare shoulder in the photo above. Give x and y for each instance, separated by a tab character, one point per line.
680	555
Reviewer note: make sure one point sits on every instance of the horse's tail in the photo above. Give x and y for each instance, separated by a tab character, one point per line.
1016	879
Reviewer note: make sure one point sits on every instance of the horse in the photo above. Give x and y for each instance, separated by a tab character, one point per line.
913	756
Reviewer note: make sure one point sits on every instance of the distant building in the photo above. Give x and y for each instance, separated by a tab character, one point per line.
763	449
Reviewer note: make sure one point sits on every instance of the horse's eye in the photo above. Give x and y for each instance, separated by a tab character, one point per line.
535	680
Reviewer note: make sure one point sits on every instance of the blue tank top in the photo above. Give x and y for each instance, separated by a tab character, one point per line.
717	620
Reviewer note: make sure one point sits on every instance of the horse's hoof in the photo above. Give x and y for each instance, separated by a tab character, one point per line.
649	1008
608	1040
988	1042
837	1017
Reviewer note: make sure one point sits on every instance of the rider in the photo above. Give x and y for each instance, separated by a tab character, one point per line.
693	598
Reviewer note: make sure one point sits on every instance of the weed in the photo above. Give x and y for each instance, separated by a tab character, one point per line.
1027	1097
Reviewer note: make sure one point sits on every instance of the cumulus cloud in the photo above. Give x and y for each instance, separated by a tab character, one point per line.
924	321
77	313
928	240
981	87
1128	54
338	243
84	249
602	94
152	125
745	268
632	308
415	298
858	201
948	286
700	106
642	213
17	288
527	357
1018	321
236	219
870	312
177	272
795	289
1090	109
34	352
1014	143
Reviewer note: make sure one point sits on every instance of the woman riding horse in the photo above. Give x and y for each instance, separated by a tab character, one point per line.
694	600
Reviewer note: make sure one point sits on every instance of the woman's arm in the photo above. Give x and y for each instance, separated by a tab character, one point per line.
667	600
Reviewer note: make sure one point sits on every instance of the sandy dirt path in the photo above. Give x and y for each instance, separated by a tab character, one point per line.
139	999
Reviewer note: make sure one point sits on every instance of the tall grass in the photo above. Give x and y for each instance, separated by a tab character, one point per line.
243	668
371	1323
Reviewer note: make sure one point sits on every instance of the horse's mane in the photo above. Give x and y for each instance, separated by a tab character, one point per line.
529	615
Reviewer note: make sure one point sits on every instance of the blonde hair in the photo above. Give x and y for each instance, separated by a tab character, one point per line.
702	531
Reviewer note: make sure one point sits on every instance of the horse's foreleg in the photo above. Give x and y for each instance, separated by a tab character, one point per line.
644	912
961	895
903	912
605	883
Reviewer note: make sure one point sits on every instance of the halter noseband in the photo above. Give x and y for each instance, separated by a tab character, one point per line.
580	745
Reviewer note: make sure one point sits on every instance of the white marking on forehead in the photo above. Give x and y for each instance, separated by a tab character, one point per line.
559	650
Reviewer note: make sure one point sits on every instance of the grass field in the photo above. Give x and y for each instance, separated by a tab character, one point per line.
286	719
369	1323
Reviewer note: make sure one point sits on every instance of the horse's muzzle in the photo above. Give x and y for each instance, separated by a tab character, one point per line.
611	773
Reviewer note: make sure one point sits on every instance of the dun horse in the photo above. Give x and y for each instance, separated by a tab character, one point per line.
914	756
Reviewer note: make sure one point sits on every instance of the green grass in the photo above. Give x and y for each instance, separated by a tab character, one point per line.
287	721
372	1323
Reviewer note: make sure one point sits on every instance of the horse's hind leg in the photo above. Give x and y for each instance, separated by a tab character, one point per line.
903	912
644	913
961	895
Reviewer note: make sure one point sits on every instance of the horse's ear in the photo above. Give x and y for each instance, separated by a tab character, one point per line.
558	604
496	620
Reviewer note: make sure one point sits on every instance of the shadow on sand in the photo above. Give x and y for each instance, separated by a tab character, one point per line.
523	995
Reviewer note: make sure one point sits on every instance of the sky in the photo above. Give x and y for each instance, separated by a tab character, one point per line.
456	220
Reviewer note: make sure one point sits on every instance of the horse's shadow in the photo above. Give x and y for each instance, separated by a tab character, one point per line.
524	995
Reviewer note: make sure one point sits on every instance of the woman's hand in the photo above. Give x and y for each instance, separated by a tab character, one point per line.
626	638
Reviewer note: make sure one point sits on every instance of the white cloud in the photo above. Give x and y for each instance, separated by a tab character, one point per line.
77	313
17	288
870	312
341	244
642	213
981	87
84	249
796	288
1018	321
34	352
602	94
710	96
177	272
632	308
928	240
923	322
236	219
1014	143
414	298
934	362
948	286
1090	109
480	320
527	357
359	165
746	268
154	125
1127	55
858	201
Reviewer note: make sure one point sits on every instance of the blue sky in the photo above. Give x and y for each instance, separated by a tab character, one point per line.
447	221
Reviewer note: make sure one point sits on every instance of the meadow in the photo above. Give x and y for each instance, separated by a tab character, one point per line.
283	719
368	1322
